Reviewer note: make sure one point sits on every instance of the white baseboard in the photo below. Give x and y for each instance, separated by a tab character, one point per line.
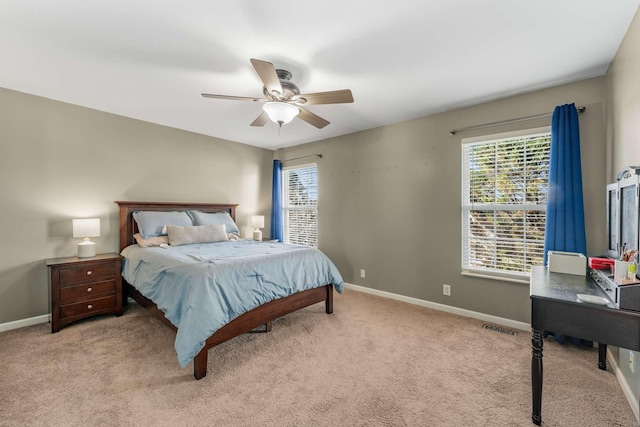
626	389
25	322
443	307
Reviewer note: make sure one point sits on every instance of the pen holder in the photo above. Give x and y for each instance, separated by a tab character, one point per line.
624	270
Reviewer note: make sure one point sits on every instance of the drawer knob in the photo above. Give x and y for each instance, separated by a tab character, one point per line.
89	289
89	273
89	306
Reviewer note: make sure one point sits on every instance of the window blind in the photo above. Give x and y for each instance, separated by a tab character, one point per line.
504	203
300	205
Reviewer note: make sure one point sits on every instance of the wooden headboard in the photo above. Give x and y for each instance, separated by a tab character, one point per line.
128	226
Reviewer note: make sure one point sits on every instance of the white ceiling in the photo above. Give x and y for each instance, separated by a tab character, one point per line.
150	59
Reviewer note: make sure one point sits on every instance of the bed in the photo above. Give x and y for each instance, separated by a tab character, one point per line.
284	296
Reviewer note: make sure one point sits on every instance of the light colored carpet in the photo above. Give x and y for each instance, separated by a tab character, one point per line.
374	362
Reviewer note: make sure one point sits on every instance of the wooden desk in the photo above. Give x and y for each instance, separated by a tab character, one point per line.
555	307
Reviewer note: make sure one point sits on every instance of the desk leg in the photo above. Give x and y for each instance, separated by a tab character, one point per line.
602	356
536	376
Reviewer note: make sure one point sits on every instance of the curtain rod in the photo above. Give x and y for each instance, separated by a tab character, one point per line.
504	122
303	157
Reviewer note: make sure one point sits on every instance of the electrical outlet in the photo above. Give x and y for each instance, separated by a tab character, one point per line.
362	273
446	290
632	361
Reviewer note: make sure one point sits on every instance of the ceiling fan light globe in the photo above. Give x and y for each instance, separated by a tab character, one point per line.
280	112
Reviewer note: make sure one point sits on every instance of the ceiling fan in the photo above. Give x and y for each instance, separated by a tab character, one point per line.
282	99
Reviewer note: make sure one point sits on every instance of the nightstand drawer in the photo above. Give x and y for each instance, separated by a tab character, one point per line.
87	273
86	307
78	293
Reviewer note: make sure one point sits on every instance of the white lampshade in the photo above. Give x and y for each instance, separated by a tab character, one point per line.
281	112
85	228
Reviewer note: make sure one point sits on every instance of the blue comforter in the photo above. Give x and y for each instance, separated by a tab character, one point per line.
202	287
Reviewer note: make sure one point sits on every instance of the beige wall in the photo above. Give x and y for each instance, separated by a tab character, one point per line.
59	161
623	104
623	139
390	199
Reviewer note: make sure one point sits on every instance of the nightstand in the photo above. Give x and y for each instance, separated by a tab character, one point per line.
84	287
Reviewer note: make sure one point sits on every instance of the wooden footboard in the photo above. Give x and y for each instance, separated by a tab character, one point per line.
262	315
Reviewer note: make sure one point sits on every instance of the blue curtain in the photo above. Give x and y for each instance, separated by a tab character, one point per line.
565	230
276	202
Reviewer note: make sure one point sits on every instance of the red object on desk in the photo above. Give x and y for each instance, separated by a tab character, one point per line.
600	263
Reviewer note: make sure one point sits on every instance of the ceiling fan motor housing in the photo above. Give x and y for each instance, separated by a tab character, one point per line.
288	87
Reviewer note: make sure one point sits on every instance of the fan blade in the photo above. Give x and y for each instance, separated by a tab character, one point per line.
267	73
312	119
333	97
261	120
235	98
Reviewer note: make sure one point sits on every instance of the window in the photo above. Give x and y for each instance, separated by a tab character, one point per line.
504	197
300	205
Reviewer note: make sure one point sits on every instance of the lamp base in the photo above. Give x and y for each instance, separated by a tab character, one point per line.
86	249
257	235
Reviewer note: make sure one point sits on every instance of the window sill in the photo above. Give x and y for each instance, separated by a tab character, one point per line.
524	280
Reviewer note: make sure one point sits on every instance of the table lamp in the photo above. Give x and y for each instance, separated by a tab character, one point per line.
257	222
83	229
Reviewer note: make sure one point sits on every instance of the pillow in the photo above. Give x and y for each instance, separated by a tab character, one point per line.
204	218
179	235
151	241
150	223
